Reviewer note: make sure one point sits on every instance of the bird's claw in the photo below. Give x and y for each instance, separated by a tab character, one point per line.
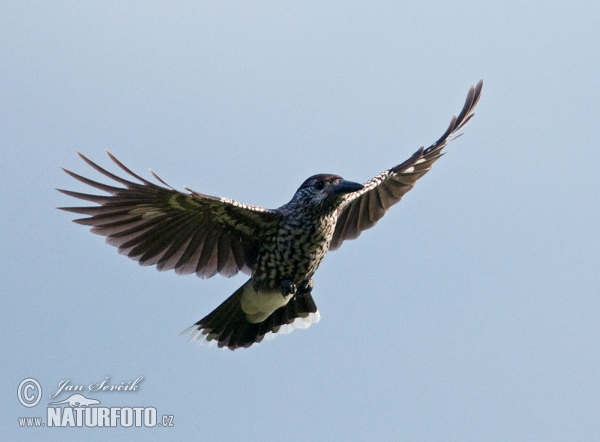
305	288
288	288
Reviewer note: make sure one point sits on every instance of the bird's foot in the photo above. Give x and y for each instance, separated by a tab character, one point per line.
305	288
288	288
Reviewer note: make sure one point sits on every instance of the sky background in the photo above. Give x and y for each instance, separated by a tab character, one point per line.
470	312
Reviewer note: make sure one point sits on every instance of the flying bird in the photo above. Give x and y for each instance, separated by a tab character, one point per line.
280	249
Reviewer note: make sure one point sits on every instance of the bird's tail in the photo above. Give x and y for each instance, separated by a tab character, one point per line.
247	316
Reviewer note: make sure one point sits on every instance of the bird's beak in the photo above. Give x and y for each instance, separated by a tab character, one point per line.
344	186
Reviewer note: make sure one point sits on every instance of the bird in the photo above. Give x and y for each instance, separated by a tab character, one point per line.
280	249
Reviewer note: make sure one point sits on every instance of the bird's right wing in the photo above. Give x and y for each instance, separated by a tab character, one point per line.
156	225
367	206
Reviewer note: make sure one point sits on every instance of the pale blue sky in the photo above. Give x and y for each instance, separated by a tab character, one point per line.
470	312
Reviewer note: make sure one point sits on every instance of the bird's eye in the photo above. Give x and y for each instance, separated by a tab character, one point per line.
319	185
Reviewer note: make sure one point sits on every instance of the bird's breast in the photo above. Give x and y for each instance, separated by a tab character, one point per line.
295	252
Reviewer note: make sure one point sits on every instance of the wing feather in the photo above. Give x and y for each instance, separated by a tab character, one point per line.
169	260
364	208
189	261
156	225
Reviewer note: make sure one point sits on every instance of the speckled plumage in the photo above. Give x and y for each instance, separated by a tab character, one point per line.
301	241
281	249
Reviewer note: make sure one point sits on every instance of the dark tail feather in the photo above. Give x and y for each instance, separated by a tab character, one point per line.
228	325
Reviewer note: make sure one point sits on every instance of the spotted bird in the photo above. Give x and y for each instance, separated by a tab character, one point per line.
280	249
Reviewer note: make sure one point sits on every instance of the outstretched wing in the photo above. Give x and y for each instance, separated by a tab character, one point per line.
156	225
367	206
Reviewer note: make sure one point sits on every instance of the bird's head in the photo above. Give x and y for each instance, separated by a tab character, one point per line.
324	191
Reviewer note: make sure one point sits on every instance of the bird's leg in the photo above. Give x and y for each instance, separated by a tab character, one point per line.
305	288
288	287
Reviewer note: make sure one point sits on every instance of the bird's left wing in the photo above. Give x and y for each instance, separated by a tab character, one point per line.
367	206
156	225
